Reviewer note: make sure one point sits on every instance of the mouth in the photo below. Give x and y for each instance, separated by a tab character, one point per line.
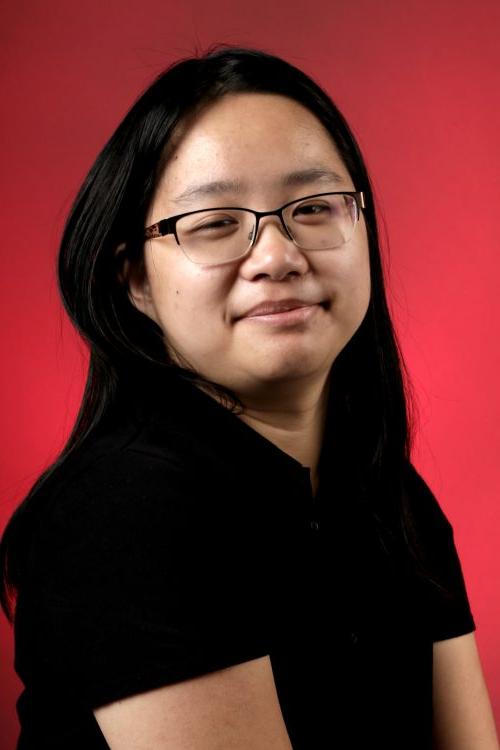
294	316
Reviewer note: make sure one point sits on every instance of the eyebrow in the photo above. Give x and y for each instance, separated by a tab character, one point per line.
292	179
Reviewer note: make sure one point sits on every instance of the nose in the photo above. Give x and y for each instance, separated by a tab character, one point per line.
273	252
278	224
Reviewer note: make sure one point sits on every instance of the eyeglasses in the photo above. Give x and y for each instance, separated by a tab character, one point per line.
323	221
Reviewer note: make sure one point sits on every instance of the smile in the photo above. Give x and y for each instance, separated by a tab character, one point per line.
289	317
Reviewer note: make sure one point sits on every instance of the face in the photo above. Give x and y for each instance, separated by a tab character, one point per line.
257	139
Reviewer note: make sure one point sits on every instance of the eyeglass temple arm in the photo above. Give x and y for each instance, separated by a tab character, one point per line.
154	231
160	228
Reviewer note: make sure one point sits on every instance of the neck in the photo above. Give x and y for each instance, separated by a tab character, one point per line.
297	431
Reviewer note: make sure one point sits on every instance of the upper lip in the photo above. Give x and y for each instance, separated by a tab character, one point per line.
268	307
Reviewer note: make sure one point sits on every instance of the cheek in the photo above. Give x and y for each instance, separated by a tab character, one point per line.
190	307
360	273
353	286
170	289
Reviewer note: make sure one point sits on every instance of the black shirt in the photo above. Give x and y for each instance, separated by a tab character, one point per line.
178	541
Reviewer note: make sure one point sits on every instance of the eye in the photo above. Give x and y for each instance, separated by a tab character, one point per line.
216	224
210	224
312	207
314	210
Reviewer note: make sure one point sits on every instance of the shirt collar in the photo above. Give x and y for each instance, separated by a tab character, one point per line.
178	406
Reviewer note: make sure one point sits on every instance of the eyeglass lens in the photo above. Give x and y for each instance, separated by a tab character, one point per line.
218	235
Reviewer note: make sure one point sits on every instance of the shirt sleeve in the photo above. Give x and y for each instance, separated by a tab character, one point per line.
445	607
140	582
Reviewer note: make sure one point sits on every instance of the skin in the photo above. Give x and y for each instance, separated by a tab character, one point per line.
280	373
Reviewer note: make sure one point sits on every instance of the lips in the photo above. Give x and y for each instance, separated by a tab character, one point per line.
269	307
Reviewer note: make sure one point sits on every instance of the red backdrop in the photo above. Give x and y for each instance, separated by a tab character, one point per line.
418	82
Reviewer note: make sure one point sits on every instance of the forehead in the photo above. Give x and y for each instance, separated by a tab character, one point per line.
251	137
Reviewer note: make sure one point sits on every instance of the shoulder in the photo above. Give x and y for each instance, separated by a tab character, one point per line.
132	490
121	469
116	511
421	502
132	513
124	494
109	482
428	525
132	524
443	597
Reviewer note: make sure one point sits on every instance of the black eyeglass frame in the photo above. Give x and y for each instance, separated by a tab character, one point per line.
168	226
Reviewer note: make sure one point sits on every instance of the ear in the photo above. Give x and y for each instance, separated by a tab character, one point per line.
134	278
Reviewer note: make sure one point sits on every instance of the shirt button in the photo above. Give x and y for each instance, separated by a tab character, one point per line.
314	525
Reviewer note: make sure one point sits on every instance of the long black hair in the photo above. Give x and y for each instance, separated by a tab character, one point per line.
371	407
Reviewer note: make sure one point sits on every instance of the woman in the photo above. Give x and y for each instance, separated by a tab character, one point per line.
234	549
